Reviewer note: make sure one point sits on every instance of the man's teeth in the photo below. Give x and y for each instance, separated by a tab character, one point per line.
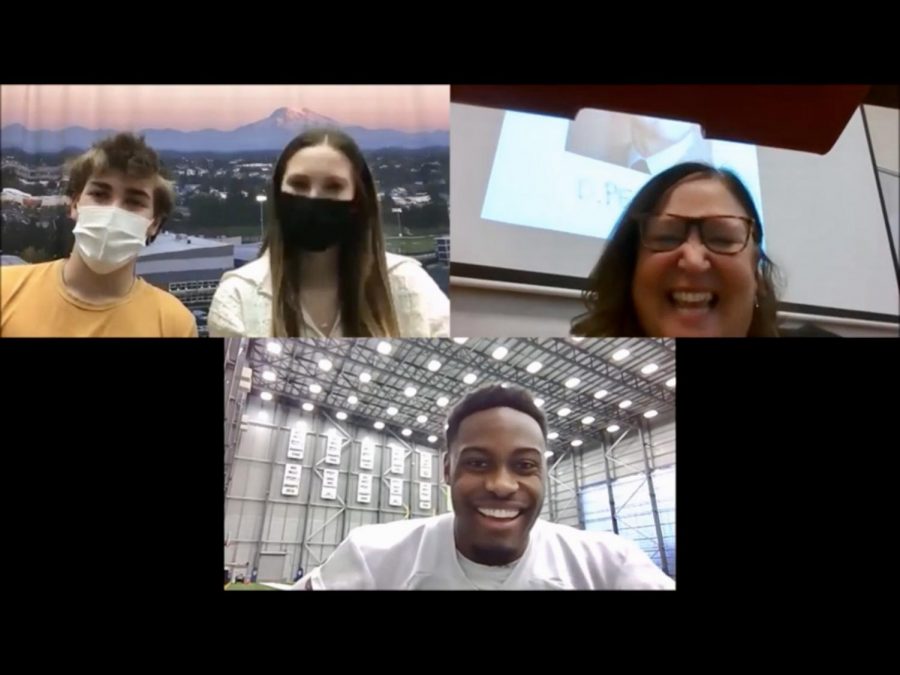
498	513
692	298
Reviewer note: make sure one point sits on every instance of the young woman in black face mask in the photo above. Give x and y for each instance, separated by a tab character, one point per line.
323	270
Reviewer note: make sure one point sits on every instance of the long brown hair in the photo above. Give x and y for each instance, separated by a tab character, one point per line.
610	309
367	308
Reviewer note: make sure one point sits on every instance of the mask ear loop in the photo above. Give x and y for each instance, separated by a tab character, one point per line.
149	240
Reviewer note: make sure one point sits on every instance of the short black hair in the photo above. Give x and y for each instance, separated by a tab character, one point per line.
494	396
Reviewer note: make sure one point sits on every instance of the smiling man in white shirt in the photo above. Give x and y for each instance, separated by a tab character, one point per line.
494	539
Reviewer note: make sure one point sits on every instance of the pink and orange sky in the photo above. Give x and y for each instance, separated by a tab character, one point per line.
224	107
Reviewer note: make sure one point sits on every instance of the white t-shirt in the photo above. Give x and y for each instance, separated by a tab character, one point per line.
485	577
420	554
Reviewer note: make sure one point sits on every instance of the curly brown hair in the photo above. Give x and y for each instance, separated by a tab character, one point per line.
130	154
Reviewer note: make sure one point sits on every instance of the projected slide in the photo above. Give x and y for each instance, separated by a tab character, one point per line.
577	177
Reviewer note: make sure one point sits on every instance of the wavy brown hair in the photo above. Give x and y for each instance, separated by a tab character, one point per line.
610	309
367	309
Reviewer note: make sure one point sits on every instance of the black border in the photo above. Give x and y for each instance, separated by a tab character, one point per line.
115	448
783	450
369	45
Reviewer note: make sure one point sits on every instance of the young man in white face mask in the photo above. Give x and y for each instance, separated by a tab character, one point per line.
119	200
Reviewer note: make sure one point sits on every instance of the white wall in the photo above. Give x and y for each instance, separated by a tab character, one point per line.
884	131
825	226
497	313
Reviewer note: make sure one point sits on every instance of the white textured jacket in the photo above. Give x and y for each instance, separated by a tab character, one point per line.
242	304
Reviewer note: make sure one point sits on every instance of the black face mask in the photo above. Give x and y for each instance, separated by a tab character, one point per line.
315	224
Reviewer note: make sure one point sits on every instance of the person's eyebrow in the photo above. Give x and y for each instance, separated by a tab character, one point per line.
517	451
138	192
474	448
527	450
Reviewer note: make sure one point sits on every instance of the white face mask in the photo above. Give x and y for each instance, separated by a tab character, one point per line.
108	238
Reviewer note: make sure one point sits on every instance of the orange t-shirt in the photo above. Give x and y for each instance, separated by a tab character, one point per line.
34	302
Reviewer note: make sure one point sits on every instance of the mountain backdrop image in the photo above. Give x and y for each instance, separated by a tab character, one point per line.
219	145
270	133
